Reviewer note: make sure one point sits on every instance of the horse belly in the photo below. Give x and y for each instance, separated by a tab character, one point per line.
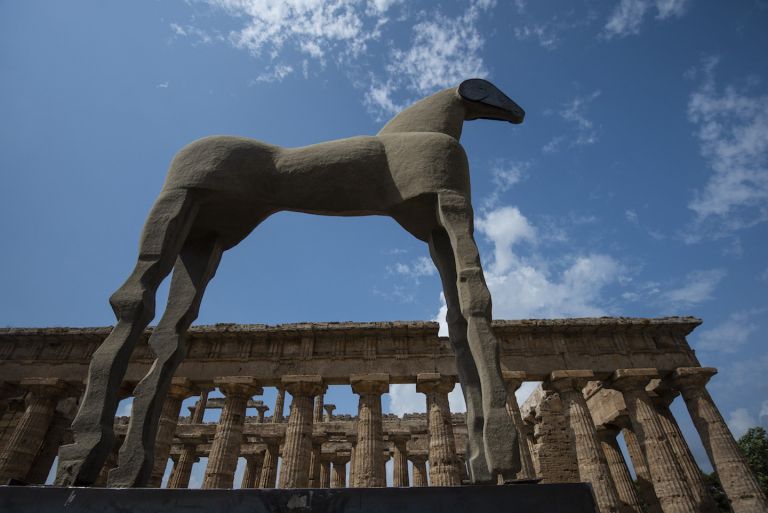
344	177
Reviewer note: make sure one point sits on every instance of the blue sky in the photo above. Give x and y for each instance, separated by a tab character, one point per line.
637	186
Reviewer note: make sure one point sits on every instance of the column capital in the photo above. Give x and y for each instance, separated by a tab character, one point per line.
306	385
329	407
607	432
319	438
631	380
688	378
429	382
180	388
662	394
565	380
399	437
261	408
238	386
375	383
341	458
46	387
417	457
513	380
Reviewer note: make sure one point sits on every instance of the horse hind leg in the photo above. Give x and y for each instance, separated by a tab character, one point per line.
499	435
194	268
166	229
442	255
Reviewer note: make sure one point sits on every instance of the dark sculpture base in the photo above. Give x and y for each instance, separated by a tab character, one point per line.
518	498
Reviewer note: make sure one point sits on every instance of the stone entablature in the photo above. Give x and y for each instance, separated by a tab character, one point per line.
337	350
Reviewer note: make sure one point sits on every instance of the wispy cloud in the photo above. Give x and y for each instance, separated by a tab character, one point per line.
730	335
582	129
418	268
628	16
698	287
275	74
504	176
739	421
732	127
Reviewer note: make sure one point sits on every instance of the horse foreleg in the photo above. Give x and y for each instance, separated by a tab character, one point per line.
194	268
442	254
499	436
134	306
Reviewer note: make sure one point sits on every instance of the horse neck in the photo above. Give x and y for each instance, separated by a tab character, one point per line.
442	112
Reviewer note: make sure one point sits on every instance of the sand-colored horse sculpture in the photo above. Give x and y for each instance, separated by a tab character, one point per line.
218	189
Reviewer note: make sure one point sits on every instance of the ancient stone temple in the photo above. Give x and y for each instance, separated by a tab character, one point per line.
600	379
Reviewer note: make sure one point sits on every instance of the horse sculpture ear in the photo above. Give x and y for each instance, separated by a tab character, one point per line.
474	89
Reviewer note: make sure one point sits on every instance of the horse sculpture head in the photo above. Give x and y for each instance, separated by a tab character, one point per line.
483	100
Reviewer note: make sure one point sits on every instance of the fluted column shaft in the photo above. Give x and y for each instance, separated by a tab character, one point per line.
367	465
513	380
294	471
691	470
640	464
593	467
419	470
667	477
24	443
182	468
315	460
277	415
738	481
622	479
339	473
400	468
252	472
443	469
202	403
317	414
325	472
225	449
268	477
180	389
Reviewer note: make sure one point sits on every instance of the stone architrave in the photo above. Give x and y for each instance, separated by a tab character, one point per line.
400	441
625	486
513	380
414	170
339	471
662	397
419	461
182	468
294	471
443	466
268	477
225	449
368	459
640	465
593	467
328	417
668	480
20	450
253	463
180	389
739	483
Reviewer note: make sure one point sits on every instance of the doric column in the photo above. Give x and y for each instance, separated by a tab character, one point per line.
368	457
399	441
625	487
668	482
513	380
737	479
24	443
325	471
640	464
253	463
339	473
419	469
180	389
318	439
593	467
352	439
182	468
554	451
222	460
277	414
328	417
443	469
201	404
317	414
662	397
262	409
268	478
294	471
58	433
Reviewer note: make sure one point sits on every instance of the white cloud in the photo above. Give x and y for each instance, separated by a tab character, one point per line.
628	16
763	410
197	35
421	266
698	288
276	74
732	127
504	175
542	33
730	335
583	131
162	85
631	216
739	421
505	226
